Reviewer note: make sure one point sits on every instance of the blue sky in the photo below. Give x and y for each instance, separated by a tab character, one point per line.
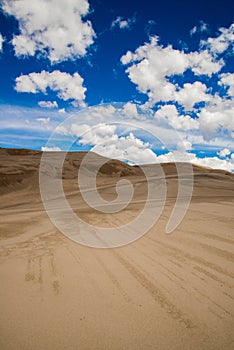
170	64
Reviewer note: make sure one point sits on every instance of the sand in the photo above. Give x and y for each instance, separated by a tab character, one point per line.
160	292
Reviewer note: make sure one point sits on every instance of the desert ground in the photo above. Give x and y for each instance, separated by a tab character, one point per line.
160	292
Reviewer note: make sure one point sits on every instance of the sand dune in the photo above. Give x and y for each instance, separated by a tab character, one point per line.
160	292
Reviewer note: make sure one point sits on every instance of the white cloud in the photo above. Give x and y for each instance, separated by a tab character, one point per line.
129	148
224	153
100	113
123	23
1	41
127	58
217	142
222	42
191	94
48	104
105	141
151	66
215	116
67	86
130	110
184	145
55	28
212	162
41	122
51	149
62	130
62	110
227	79
193	30
138	152
18	118
169	115
44	121
203	63
202	27
93	135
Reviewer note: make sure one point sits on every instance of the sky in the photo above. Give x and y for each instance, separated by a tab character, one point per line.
142	81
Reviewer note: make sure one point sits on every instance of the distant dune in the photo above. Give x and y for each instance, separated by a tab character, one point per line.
20	167
160	292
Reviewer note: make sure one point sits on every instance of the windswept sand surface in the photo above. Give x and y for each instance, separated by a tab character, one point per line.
160	292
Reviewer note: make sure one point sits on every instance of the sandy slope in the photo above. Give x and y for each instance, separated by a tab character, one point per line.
160	292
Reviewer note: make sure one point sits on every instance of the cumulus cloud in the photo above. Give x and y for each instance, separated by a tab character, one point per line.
55	28
154	70
67	86
222	42
130	110
123	23
129	148
191	94
227	79
215	116
211	162
169	115
48	104
42	121
136	151
224	153
94	135
214	162
151	66
1	41
203	63
105	141
184	146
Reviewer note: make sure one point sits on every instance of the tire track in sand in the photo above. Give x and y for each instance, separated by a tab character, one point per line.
154	291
